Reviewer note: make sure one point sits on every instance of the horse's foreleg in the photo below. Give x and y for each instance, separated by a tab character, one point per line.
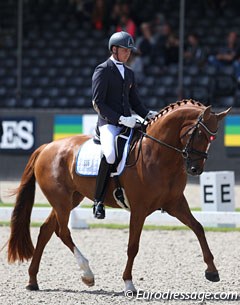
45	234
183	213
65	235
136	225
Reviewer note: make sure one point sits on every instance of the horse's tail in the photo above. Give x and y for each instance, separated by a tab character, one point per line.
20	246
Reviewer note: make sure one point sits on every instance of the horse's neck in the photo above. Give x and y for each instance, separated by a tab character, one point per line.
166	129
158	162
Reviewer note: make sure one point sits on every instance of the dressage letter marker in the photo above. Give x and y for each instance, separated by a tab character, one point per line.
207	194
217	191
225	193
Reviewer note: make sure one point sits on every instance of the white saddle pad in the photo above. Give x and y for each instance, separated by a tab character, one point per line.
89	158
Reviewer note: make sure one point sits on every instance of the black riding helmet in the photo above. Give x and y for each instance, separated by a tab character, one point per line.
123	40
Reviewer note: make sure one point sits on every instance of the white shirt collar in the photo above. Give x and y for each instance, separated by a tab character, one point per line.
119	65
115	61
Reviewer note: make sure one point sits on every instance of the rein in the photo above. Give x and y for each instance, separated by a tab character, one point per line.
161	142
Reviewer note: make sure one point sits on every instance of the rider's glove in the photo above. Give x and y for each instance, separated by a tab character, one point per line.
128	121
151	115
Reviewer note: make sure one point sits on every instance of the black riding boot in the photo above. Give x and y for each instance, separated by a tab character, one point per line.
101	187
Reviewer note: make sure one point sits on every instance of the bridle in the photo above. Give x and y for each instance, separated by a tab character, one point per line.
188	149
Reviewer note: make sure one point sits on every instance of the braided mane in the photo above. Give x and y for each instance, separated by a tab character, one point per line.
175	105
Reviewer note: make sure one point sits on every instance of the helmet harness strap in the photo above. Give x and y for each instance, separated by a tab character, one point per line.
116	53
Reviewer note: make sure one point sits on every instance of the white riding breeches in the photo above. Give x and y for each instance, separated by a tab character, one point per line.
107	137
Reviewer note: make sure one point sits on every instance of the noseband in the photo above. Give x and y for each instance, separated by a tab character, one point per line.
187	150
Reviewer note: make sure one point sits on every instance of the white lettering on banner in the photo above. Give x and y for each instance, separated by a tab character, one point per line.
8	135
17	135
25	133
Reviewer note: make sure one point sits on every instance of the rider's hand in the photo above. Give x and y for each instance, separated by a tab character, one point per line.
151	115
128	121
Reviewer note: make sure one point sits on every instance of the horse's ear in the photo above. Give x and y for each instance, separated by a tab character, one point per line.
221	115
207	113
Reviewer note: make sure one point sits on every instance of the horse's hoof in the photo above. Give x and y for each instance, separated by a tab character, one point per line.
212	276
88	281
32	287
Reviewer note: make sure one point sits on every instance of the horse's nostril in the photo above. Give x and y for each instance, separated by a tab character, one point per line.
193	169
196	170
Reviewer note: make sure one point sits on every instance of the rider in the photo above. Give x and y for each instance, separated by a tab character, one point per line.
114	94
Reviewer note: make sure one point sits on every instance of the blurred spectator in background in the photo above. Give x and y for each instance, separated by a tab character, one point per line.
126	24
227	53
125	7
236	65
163	44
159	21
171	47
194	52
98	15
145	45
136	63
146	40
82	9
114	16
161	31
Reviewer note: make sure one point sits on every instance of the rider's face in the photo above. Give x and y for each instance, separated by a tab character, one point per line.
121	54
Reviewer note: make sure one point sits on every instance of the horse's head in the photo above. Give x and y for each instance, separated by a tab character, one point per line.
197	137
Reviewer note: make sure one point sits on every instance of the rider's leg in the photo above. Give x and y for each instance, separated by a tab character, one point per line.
101	187
107	137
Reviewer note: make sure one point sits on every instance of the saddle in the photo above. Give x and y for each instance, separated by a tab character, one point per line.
89	155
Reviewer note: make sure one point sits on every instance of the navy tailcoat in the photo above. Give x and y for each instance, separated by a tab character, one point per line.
114	96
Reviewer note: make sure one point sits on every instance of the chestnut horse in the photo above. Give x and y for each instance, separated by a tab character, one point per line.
175	143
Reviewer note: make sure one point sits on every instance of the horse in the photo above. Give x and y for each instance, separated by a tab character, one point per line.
173	144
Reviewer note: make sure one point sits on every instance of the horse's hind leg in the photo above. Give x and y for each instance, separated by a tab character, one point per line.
183	213
45	234
62	214
57	221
